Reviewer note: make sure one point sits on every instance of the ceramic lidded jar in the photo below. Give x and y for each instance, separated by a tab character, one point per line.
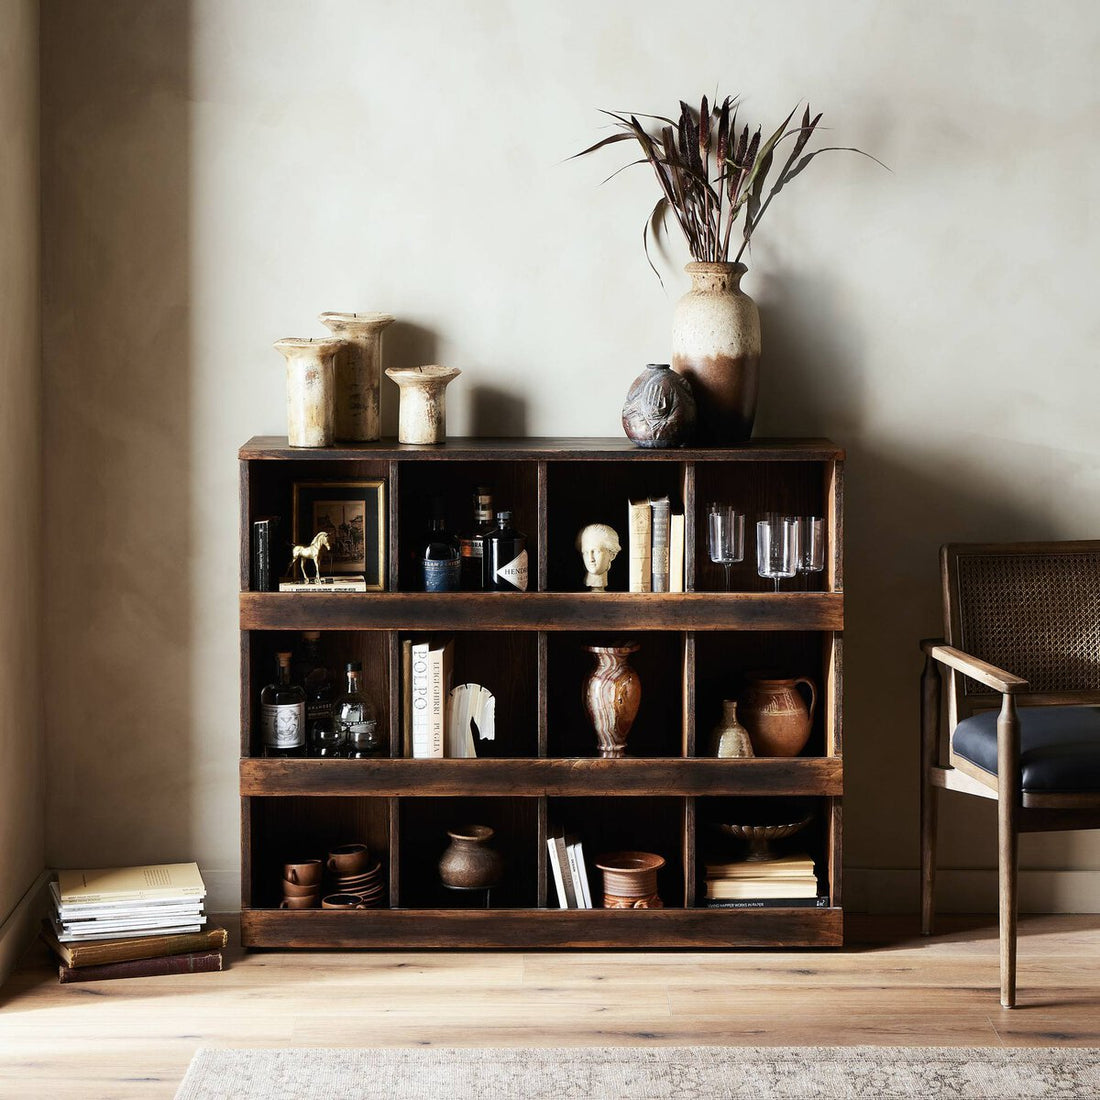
612	696
358	373
716	347
470	863
660	409
310	391
776	715
729	739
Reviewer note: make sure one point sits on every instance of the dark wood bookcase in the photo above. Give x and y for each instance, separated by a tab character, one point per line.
543	771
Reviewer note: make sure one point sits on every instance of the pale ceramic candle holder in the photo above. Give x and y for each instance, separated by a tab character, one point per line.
310	390
423	411
358	367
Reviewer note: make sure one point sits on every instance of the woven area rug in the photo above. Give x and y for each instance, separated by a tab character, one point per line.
835	1073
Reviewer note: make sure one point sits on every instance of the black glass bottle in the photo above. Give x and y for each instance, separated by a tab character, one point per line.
505	557
437	555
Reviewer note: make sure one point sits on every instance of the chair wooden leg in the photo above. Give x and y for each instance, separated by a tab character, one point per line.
1008	802
929	752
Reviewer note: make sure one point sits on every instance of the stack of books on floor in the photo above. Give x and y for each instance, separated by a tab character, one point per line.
126	922
786	881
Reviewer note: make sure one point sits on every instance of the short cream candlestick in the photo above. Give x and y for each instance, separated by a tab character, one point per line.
422	417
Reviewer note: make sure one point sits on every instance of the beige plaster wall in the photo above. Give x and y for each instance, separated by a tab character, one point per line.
22	729
218	173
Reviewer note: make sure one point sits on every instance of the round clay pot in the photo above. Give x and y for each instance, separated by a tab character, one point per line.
612	695
469	863
729	739
776	715
716	347
630	880
660	408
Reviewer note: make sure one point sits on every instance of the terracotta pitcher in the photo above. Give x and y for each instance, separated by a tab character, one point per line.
776	715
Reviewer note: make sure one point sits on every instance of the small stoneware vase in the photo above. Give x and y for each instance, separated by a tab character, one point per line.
729	739
470	863
422	414
630	880
716	347
358	370
310	391
776	715
660	409
612	695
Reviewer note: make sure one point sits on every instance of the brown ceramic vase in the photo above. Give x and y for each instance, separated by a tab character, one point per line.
630	880
660	409
612	695
776	715
469	863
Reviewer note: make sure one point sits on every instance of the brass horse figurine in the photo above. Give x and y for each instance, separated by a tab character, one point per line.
312	553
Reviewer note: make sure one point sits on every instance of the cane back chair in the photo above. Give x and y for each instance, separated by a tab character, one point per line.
1022	663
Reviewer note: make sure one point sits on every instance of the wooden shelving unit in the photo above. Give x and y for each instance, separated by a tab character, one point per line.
527	649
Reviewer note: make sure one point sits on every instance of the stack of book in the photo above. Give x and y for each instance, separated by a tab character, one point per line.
131	921
656	538
787	881
569	870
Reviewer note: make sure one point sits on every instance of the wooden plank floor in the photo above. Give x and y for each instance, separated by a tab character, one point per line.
888	986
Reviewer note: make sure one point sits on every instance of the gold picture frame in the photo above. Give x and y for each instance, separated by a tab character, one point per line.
353	513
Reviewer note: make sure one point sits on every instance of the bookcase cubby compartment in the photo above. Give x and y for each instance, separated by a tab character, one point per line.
513	486
424	825
337	647
581	493
505	662
790	488
543	772
607	825
291	829
658	729
714	845
725	660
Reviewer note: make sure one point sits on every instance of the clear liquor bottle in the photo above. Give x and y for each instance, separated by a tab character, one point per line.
322	739
437	555
283	714
472	544
505	557
357	720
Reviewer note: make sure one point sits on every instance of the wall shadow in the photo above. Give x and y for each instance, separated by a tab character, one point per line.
116	230
404	345
496	412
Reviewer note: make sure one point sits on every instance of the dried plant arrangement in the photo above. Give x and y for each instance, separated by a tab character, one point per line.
711	176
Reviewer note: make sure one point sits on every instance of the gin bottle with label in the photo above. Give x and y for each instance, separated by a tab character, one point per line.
356	720
283	714
505	557
437	555
472	544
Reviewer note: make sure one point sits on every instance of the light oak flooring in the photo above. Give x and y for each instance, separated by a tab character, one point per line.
887	986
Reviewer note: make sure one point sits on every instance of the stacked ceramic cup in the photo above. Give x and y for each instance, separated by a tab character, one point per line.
302	884
353	873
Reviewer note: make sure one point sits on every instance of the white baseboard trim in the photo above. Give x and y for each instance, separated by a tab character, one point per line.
883	890
21	926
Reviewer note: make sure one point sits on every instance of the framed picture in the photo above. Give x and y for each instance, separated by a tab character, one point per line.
353	515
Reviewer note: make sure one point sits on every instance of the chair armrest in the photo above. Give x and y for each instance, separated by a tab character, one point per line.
996	678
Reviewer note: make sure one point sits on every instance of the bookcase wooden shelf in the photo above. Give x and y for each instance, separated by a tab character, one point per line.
543	771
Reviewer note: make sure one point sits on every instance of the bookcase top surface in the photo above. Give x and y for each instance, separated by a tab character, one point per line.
559	448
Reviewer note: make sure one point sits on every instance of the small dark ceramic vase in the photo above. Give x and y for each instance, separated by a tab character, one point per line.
660	408
469	863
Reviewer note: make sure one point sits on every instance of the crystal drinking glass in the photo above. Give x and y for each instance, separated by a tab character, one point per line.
725	536
811	544
777	547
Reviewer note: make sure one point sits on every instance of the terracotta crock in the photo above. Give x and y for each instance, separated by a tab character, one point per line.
469	863
776	715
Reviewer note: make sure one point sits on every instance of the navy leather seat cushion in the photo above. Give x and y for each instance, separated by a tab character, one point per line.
1059	746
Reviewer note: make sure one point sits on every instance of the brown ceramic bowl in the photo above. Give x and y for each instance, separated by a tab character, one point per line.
343	901
293	890
306	872
349	859
630	874
308	902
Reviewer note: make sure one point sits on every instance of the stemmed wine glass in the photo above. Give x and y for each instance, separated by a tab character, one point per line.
777	547
725	536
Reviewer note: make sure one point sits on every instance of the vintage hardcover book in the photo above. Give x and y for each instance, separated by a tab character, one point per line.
265	568
639	538
98	952
207	962
326	585
562	850
158	881
406	698
782	867
582	868
821	901
440	662
771	888
420	701
580	879
676	553
555	867
659	563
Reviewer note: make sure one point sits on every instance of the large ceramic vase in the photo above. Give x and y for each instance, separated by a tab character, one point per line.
310	391
776	715
470	863
358	368
716	347
612	695
660	409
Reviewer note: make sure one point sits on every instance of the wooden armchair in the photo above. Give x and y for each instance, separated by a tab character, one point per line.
1022	662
